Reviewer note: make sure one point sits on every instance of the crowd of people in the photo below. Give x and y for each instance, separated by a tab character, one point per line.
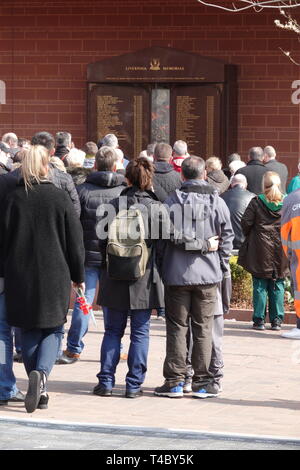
154	233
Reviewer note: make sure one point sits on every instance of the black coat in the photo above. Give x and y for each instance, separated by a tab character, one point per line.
60	179
146	292
281	169
100	188
237	200
41	251
261	253
254	172
165	180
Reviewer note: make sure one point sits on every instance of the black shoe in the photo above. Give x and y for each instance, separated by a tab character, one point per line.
43	403
258	326
18	398
276	325
102	391
18	357
129	394
67	358
34	391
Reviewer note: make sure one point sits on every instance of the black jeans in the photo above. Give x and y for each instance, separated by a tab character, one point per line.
199	302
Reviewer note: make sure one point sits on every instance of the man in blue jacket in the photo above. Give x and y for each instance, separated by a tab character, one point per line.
192	266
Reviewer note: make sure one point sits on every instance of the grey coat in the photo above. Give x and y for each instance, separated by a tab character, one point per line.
191	267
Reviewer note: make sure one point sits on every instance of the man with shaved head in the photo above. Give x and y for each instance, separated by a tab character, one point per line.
237	199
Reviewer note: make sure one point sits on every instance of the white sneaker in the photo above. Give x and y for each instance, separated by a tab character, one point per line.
187	387
294	333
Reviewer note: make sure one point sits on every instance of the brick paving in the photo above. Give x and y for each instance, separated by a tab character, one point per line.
260	397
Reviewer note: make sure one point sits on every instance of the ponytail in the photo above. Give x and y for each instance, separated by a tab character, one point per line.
140	172
271	187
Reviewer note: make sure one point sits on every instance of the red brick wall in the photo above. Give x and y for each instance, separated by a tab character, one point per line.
45	48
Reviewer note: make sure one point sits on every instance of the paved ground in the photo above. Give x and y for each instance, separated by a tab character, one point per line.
20	435
261	392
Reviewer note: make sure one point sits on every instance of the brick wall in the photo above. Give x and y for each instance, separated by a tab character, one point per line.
45	48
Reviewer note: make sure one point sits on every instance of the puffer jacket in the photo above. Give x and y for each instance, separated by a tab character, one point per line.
261	253
218	180
101	187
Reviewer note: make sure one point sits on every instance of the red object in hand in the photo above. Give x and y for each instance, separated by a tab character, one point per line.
83	305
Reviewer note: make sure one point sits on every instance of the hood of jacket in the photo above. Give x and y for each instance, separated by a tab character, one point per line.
79	174
106	179
163	167
217	176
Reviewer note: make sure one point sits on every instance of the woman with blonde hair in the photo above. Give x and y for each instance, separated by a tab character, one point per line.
262	255
41	251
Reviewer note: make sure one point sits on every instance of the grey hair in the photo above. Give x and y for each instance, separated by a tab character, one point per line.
256	153
193	168
270	151
239	179
110	140
180	147
63	139
233	157
10	137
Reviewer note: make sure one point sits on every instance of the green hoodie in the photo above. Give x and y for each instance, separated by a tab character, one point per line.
271	205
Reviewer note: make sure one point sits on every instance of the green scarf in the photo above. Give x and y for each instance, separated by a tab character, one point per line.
271	205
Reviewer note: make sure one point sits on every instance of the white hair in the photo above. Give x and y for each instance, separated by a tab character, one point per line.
120	155
75	157
235	166
180	147
213	163
239	179
10	137
110	140
270	152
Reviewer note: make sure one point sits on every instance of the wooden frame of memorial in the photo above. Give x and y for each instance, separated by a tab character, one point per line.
163	95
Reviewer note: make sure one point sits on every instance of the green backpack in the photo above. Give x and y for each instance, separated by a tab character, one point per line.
127	253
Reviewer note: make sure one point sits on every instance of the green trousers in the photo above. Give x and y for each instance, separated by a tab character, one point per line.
264	289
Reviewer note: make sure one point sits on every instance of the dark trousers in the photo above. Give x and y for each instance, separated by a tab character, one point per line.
199	303
40	347
216	363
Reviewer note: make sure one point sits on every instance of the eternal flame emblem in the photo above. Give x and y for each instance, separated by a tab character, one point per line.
155	64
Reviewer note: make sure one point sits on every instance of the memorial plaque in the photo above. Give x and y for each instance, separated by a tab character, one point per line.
123	111
163	95
196	118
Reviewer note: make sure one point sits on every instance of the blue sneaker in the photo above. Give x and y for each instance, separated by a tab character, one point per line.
209	391
172	392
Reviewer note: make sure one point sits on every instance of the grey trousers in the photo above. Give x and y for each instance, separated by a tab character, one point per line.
216	363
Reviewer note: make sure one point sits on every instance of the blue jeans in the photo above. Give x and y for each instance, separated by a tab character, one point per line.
115	324
8	388
80	322
39	348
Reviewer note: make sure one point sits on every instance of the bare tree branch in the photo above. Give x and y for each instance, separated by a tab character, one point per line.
257	5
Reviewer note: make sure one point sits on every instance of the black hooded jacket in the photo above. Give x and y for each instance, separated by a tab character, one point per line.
100	188
165	180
